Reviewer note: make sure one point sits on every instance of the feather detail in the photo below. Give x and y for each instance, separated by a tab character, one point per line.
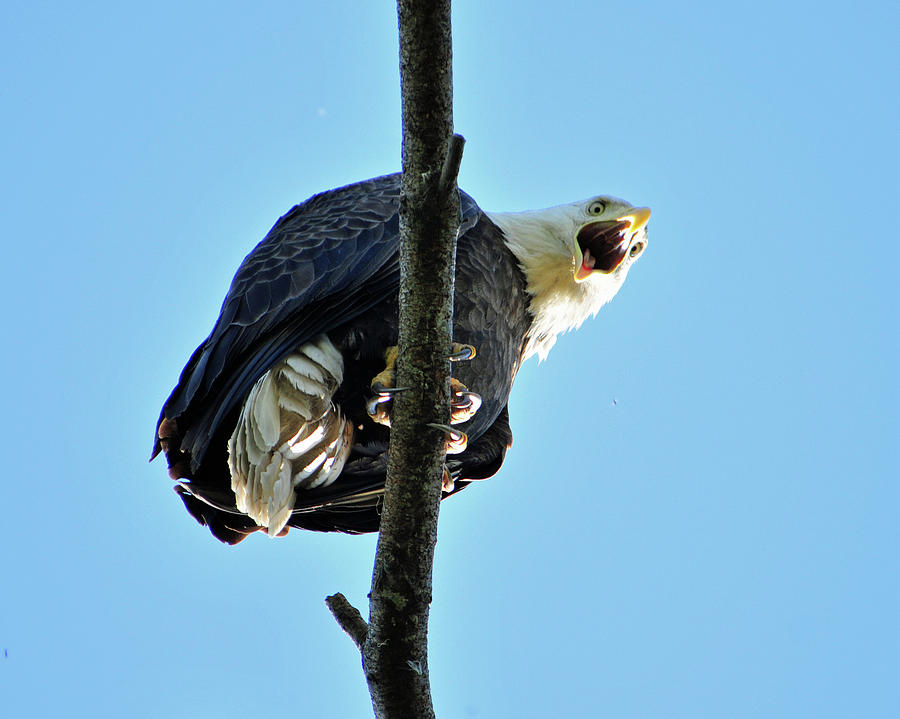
289	435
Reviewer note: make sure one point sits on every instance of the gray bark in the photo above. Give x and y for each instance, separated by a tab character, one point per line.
395	649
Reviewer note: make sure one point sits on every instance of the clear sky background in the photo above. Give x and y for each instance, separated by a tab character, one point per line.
699	517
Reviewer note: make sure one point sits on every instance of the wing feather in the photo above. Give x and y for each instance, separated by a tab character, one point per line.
320	265
325	262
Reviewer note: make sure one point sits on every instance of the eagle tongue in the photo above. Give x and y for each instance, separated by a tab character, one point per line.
588	261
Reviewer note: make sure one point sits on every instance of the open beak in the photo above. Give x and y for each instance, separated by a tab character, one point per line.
602	246
638	217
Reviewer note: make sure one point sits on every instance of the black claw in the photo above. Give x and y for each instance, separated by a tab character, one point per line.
373	402
455	434
466	400
465	352
382	394
380	389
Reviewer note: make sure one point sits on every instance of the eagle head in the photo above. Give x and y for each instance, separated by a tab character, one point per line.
575	259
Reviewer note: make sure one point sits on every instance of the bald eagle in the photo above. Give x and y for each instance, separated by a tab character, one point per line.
280	418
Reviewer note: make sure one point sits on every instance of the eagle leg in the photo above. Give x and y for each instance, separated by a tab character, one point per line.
463	403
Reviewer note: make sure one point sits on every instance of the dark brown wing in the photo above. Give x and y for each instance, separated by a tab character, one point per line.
331	264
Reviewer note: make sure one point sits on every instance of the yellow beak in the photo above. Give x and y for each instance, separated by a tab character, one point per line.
638	217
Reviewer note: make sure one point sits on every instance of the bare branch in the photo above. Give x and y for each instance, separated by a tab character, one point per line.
450	170
395	654
348	618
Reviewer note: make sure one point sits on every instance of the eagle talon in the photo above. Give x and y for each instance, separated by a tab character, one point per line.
372	406
460	352
463	403
456	441
380	389
447	483
382	394
466	401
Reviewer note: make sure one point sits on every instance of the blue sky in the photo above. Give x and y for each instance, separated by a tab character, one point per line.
699	515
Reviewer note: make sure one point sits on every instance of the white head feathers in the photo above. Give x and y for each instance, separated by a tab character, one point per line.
575	258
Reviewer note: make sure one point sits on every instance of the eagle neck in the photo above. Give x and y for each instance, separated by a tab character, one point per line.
543	244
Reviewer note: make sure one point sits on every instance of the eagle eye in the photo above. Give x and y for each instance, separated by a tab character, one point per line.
596	208
636	249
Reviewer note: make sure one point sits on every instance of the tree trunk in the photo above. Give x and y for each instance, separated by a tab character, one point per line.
394	648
